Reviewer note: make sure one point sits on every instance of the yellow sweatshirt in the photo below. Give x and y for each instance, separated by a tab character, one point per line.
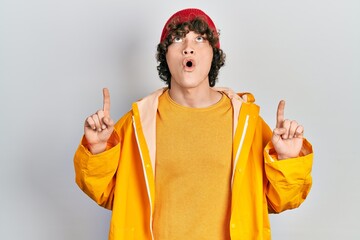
193	171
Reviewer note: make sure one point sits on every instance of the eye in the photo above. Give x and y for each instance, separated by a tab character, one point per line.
200	39
177	39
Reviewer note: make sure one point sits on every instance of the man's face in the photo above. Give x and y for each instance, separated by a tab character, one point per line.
189	59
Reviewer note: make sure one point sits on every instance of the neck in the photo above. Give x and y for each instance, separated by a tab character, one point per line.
195	97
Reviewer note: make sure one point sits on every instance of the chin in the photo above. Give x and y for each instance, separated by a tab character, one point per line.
190	82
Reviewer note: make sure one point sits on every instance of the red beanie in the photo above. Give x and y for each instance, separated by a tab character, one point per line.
186	15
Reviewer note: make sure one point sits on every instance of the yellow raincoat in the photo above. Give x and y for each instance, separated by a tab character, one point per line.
122	178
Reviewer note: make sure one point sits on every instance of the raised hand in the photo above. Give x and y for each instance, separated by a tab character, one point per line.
99	126
287	136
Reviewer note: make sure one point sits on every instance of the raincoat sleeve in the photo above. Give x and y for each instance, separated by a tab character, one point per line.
95	174
288	181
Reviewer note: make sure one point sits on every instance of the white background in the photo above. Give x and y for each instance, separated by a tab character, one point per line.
56	56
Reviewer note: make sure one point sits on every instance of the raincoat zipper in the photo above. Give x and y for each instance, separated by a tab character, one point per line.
145	177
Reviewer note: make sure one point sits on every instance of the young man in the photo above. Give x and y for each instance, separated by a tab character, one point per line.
192	161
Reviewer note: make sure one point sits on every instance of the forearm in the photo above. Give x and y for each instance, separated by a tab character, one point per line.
95	173
289	180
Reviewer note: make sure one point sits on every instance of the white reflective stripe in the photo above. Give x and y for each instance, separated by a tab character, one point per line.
271	158
240	147
146	180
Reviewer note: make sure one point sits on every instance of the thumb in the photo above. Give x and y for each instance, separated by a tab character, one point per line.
277	132
108	121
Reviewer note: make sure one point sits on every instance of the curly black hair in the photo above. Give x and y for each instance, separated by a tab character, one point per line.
199	26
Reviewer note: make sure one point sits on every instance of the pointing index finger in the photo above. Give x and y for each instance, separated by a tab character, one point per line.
280	114
106	102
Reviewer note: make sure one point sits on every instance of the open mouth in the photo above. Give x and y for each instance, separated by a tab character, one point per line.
188	64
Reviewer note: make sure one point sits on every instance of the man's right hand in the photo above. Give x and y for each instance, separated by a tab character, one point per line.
99	126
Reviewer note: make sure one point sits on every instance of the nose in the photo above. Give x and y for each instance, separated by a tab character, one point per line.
188	49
